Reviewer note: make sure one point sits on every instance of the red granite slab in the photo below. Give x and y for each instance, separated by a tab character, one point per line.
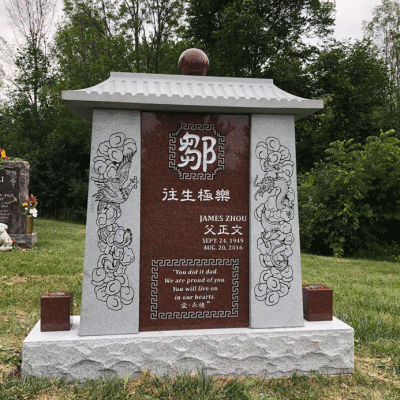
194	258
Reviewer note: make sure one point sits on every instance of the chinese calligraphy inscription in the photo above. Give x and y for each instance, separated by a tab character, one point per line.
201	156
195	211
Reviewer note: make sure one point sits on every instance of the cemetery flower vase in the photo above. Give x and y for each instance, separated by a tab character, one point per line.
56	311
317	303
28	224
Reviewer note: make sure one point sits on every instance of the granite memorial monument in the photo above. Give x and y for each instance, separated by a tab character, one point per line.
192	256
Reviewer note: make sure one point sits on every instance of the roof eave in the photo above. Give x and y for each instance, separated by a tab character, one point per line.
82	105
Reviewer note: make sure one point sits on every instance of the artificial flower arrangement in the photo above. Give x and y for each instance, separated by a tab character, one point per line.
30	207
3	154
4	157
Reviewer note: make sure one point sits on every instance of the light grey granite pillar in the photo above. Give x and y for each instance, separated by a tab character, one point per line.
275	267
110	292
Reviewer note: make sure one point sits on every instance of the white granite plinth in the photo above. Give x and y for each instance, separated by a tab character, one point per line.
325	347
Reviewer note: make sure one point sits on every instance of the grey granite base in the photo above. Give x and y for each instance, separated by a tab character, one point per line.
325	347
24	241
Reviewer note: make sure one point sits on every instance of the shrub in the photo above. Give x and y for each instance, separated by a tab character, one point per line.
349	204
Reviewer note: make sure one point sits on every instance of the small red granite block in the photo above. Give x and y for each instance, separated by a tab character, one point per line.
56	311
317	303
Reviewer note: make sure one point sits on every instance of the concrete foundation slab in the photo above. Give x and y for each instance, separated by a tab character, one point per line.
326	347
24	241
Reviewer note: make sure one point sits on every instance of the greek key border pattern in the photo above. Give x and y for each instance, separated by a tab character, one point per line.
212	262
209	176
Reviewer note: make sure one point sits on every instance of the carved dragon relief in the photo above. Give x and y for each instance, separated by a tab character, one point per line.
274	215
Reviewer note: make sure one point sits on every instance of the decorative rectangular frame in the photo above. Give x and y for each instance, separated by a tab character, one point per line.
209	176
213	262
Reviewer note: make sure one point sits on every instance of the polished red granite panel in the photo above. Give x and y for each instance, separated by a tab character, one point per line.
56	311
194	258
317	303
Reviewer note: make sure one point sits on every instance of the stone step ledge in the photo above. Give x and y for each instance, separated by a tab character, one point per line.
324	347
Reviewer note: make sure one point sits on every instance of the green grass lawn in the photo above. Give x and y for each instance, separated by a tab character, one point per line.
366	296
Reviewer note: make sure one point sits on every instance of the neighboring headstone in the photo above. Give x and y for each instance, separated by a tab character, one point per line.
14	184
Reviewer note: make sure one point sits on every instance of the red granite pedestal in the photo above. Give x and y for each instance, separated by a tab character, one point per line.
56	311
317	303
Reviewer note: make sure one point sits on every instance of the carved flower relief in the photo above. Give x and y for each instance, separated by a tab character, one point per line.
108	215
106	262
117	141
274	157
115	263
112	153
111	166
273	284
114	294
110	279
104	168
282	212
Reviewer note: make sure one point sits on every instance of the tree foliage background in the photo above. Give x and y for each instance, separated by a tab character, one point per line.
358	81
359	214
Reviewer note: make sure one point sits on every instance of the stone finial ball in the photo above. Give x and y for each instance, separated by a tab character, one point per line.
193	62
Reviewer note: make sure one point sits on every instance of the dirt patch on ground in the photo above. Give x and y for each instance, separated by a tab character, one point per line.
54	394
20	279
379	369
7	371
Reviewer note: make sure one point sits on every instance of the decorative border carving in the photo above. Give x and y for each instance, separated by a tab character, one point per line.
209	176
111	167
155	264
274	215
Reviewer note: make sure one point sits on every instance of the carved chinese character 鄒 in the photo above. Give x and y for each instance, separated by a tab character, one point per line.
189	143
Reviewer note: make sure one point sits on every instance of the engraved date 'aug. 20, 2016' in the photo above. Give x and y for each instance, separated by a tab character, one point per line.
223	232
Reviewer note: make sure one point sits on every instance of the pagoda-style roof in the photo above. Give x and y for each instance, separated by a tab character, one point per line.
186	93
